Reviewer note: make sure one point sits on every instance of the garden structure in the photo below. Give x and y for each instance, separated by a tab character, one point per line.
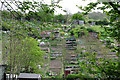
29	76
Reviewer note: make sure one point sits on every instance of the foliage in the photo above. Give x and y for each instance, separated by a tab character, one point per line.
45	13
100	22
112	32
77	16
42	10
25	55
20	52
76	76
52	58
5	14
101	68
97	16
31	10
78	32
34	51
5	26
60	18
95	28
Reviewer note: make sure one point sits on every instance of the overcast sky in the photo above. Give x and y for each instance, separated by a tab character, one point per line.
68	5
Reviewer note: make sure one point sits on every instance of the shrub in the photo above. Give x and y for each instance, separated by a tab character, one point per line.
90	30
76	76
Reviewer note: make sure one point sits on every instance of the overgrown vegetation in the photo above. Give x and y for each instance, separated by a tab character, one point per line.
21	30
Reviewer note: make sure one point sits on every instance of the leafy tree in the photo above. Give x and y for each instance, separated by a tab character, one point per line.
5	14
8	15
77	16
39	10
59	18
97	16
20	51
33	53
45	13
77	32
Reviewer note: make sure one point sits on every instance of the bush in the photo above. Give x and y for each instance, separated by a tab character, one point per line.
90	30
5	26
72	76
82	27
76	76
100	22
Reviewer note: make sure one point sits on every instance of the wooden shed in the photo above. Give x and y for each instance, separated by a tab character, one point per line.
66	72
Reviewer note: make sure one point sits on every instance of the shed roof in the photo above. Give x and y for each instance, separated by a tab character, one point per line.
29	75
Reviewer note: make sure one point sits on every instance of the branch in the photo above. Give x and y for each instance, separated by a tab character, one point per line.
11	7
9	10
114	7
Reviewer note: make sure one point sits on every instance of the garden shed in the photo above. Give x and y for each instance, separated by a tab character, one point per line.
2	72
81	22
29	76
92	23
66	72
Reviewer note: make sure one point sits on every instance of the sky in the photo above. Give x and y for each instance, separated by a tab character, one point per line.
68	5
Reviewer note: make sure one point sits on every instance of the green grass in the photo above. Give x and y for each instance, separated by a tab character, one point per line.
94	27
71	65
97	28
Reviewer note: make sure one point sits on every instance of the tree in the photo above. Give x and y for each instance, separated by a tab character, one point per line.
45	13
39	10
77	16
97	15
31	9
59	18
20	51
33	54
114	31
